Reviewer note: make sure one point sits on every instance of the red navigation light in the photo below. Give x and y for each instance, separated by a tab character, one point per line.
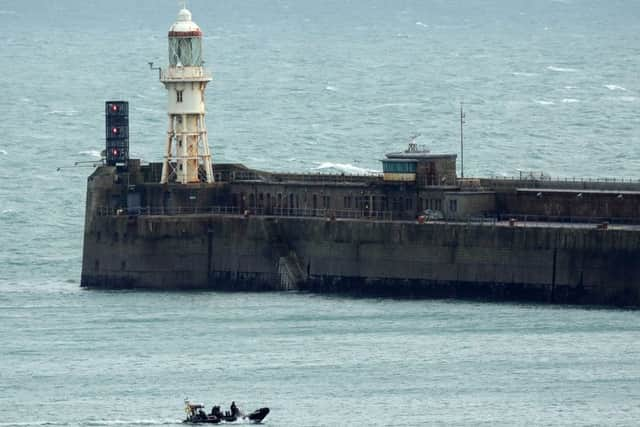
114	108
115	152
114	131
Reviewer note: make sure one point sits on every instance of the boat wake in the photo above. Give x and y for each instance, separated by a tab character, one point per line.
95	423
142	422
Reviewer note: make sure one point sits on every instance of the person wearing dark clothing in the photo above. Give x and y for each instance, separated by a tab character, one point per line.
234	409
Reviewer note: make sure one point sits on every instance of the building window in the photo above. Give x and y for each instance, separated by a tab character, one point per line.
179	95
453	205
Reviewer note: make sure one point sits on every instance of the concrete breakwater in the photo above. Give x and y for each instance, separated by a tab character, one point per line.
544	263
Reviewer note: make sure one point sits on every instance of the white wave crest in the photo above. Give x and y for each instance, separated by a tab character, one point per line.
615	87
561	69
421	24
523	74
3	152
65	113
570	101
147	110
345	168
331	88
397	104
541	102
93	153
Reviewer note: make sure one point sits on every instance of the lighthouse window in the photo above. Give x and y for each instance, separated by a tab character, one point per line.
185	51
179	95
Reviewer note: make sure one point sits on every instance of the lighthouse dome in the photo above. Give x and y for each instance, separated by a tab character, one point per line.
184	26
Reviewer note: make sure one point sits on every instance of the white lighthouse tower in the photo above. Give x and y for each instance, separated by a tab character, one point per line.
187	158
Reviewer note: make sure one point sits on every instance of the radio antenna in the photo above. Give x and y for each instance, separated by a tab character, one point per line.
462	122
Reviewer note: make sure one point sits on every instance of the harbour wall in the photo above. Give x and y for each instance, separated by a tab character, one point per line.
574	265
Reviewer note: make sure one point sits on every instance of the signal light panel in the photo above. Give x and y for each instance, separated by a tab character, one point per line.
117	132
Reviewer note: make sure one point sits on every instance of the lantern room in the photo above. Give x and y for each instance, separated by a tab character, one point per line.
185	42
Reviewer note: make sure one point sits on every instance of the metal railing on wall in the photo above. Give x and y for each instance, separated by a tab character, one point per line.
234	210
549	179
567	219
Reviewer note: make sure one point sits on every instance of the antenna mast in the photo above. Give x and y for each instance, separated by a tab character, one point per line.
462	122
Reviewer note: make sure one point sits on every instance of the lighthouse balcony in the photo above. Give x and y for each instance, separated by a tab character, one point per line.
172	74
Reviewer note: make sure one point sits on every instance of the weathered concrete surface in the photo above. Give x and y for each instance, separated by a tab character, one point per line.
550	264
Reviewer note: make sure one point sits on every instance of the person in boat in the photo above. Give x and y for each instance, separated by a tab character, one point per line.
202	415
234	409
215	411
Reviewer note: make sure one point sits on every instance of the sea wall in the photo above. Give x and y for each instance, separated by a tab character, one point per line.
403	259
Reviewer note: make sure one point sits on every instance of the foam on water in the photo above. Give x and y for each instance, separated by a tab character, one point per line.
64	113
134	422
398	104
562	69
570	101
615	87
344	168
523	74
92	153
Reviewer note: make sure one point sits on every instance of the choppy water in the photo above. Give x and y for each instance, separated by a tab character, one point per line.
548	86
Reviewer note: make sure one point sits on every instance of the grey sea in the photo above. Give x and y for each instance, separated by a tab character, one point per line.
548	86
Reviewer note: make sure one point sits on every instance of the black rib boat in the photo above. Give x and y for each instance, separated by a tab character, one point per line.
197	415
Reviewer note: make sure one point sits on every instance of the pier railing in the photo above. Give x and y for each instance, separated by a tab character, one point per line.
497	182
234	210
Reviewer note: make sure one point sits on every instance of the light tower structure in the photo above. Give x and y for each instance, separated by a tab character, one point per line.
187	158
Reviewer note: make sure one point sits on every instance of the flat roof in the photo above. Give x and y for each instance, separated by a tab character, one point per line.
469	193
418	155
577	191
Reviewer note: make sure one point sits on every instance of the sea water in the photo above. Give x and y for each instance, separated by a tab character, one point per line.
310	86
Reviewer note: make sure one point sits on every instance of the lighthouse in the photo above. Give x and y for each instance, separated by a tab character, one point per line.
187	158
